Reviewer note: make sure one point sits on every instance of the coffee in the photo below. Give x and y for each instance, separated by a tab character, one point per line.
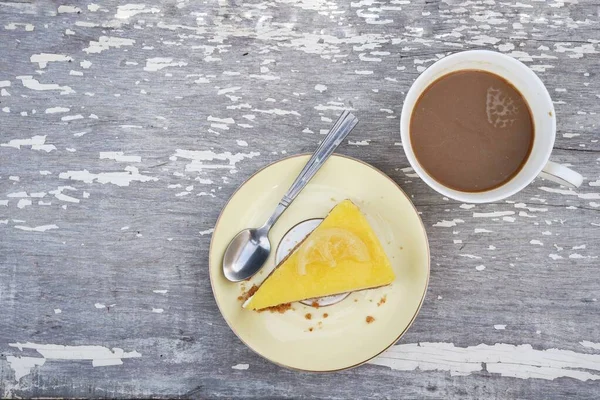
471	130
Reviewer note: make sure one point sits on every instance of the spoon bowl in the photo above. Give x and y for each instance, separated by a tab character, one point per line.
246	254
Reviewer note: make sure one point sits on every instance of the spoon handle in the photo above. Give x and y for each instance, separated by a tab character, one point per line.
342	127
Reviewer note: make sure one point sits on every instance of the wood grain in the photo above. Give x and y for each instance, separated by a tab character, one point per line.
248	84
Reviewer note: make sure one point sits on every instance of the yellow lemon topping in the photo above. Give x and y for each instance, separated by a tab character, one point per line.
341	255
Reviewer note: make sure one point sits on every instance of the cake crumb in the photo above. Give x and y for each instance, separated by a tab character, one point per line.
245	296
308	316
278	309
325	315
382	300
310	329
370	319
314	304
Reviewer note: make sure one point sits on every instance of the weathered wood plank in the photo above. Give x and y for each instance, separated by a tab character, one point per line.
90	239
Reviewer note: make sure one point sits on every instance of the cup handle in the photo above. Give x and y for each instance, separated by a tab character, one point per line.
562	175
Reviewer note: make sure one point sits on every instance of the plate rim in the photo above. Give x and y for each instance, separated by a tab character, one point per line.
422	300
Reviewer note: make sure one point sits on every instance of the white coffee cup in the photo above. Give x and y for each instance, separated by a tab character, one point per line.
542	111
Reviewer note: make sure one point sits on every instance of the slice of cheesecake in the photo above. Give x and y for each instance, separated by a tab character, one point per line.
341	255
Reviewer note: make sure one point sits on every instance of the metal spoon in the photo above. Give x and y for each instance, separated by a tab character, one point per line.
249	249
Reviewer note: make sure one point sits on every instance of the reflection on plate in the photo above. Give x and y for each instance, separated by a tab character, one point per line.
366	322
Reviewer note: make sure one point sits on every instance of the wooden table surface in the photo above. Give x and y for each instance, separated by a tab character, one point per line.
124	129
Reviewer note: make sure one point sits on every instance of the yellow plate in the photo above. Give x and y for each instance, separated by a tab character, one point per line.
343	339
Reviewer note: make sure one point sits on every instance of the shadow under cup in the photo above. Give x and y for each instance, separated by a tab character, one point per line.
525	81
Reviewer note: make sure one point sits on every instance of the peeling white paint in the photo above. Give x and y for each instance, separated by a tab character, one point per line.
116	178
118	156
58	193
30	83
358	143
41	228
277	111
36	142
71	117
571	192
22	366
129	10
66	9
410	172
220	120
17	194
44	58
532	209
98	355
15	25
199	157
105	43
54	110
232	89
520	361
22	203
590	345
493	214
158	63
579	256
448	224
